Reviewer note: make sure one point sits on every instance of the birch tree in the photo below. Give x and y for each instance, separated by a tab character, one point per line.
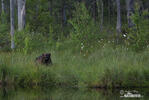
21	14
3	8
64	18
12	23
130	11
118	25
2	12
101	11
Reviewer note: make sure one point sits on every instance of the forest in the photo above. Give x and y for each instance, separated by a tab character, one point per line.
92	43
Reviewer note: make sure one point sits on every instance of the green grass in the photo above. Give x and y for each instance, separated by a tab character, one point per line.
106	67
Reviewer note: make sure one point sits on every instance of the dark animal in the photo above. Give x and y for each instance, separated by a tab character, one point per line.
44	59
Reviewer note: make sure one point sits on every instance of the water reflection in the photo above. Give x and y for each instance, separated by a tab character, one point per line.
67	94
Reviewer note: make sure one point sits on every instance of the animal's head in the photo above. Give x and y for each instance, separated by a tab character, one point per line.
47	56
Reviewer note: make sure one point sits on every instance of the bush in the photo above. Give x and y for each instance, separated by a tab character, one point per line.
4	37
27	41
85	30
138	36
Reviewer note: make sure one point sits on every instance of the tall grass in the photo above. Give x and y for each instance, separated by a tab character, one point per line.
107	67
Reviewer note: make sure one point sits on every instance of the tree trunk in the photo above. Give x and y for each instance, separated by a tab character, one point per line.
113	11
101	14
21	14
64	18
83	1
12	23
130	11
2	11
15	4
118	26
100	10
3	8
50	7
64	15
94	9
109	11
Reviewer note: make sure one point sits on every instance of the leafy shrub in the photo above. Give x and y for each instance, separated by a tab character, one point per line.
4	37
4	17
85	31
27	41
138	36
40	20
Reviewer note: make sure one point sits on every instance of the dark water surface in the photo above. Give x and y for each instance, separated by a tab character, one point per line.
72	94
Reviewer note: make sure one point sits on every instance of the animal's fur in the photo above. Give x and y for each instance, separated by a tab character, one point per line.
44	59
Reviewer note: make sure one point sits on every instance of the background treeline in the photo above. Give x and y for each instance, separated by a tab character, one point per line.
81	24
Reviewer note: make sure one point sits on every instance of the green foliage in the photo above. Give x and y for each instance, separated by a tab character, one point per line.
138	36
3	18
4	37
85	31
39	18
46	21
27	41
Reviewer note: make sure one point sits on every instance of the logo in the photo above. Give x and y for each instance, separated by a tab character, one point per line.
130	94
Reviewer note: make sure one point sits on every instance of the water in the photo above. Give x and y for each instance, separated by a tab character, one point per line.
72	94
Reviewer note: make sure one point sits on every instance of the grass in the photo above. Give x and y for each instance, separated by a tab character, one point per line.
107	67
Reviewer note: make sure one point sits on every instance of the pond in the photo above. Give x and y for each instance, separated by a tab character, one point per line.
72	94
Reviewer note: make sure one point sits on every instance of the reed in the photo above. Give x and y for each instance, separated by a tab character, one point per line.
107	67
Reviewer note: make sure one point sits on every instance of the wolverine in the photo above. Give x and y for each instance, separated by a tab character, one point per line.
45	59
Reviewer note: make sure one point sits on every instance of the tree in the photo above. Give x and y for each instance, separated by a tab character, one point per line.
3	8
130	11
12	23
64	18
100	8
94	9
3	12
118	25
83	1
50	7
21	14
